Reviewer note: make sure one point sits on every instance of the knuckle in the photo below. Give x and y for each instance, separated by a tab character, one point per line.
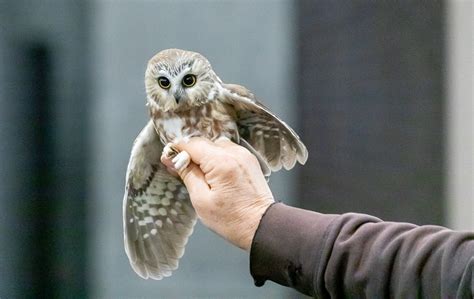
220	159
247	157
251	159
230	166
241	151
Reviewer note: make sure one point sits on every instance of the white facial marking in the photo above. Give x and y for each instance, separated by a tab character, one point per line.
212	93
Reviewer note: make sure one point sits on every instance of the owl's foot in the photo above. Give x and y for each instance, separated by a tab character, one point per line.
169	152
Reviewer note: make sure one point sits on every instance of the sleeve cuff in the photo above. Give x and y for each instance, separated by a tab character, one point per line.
287	246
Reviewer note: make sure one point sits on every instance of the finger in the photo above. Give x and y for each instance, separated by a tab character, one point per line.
169	165
194	179
198	148
166	161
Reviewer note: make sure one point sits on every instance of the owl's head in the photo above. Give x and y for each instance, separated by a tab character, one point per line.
179	80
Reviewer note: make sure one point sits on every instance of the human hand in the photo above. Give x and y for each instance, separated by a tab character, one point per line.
226	186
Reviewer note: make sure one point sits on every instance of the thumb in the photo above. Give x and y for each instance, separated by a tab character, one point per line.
194	179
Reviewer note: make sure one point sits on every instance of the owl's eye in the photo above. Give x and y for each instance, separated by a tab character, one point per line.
164	82
189	80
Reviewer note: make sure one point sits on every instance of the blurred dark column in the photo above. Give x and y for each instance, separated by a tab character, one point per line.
371	90
43	107
40	205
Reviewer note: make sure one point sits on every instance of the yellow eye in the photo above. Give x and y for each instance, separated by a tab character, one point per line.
189	80
164	82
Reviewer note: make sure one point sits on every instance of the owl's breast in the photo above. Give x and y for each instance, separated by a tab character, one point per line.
210	121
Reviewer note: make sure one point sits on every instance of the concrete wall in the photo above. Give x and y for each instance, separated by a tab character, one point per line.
10	176
459	115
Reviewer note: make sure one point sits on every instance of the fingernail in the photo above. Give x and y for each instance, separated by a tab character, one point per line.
181	160
175	159
178	165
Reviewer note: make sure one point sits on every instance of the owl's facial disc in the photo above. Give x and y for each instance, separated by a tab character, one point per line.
179	82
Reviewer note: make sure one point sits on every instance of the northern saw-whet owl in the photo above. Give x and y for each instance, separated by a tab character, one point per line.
186	98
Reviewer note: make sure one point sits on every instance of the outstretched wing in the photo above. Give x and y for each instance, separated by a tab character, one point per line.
158	216
269	135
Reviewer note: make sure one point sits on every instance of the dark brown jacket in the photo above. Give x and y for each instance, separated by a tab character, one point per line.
360	256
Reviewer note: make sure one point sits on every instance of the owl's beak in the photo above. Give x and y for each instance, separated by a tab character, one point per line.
177	97
178	94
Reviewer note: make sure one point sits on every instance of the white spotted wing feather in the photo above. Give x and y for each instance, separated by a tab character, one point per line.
158	216
266	133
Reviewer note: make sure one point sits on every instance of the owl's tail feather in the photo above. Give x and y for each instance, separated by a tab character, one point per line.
263	163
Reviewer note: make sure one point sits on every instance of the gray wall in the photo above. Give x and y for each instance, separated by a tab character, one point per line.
459	115
247	42
10	177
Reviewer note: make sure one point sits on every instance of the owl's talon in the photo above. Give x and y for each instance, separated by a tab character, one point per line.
169	151
181	160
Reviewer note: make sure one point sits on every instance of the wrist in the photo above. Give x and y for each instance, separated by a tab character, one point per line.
253	223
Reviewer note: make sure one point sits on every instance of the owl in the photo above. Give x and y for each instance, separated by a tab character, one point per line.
185	99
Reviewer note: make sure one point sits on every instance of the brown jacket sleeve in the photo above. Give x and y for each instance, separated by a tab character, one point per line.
360	256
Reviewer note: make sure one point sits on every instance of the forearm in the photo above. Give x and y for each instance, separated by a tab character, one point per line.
354	255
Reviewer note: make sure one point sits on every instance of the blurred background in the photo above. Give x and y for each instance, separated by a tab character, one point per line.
381	93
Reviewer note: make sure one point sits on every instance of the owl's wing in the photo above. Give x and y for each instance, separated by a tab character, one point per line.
268	134
158	216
